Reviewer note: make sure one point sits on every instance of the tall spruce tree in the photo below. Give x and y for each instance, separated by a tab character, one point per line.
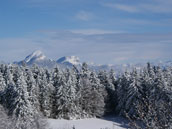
97	96
134	94
123	84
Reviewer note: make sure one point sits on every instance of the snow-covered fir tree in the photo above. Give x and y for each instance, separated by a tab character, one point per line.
45	91
58	82
2	83
109	82
2	87
97	96
32	88
123	84
134	94
21	108
73	110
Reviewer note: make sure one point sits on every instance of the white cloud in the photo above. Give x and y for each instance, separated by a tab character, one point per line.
156	6
101	48
95	31
123	7
84	16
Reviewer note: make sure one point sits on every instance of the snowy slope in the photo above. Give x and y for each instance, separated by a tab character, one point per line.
92	123
37	57
69	60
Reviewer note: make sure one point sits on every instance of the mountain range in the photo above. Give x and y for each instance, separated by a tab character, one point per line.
38	58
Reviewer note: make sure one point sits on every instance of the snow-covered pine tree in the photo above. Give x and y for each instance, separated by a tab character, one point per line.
108	81
92	93
151	77
159	85
85	71
134	94
2	83
65	95
45	91
8	75
85	91
61	98
97	102
113	78
2	87
9	91
21	108
154	109
50	88
123	84
73	110
41	90
56	82
32	88
77	75
167	77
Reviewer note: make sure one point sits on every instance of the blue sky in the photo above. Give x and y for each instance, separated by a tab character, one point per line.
100	31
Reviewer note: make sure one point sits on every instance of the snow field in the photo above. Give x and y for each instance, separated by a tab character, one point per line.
92	123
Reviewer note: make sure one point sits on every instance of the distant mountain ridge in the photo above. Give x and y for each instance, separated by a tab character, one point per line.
38	58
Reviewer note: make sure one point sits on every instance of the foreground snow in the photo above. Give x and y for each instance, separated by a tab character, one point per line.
92	123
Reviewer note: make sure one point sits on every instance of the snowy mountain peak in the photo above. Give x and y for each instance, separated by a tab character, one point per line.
70	60
35	56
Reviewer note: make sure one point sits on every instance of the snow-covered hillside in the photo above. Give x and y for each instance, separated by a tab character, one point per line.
93	123
35	56
69	60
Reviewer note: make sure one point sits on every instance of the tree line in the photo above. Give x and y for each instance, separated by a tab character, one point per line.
28	93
